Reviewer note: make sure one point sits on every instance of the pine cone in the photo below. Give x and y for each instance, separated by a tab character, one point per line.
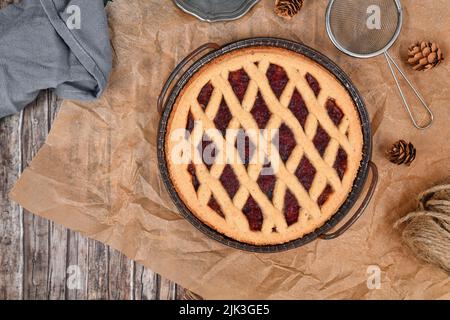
288	8
402	153
425	56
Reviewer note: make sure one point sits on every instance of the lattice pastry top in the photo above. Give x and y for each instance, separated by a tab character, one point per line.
263	145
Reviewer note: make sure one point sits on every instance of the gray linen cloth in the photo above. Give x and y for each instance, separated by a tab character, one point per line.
60	44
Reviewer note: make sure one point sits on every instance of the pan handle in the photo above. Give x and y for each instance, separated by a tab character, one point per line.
178	68
362	207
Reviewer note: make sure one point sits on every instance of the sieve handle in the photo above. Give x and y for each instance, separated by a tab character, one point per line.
391	62
361	209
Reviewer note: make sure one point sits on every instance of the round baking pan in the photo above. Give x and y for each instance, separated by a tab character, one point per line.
166	105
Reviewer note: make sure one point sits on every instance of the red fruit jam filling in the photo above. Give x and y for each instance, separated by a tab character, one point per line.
260	112
341	162
207	151
229	181
321	140
334	112
223	117
212	203
205	95
267	184
305	173
298	108
254	214
278	79
195	182
313	84
325	195
286	143
291	208
239	81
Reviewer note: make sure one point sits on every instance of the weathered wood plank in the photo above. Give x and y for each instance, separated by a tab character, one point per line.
57	262
98	271
43	260
167	289
4	3
51	259
67	246
184	294
77	267
146	283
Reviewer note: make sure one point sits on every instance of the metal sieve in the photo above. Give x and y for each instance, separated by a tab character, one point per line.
366	29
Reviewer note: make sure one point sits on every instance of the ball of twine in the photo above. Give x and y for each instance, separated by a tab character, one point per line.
427	230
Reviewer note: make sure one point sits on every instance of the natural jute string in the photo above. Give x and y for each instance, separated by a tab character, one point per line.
427	230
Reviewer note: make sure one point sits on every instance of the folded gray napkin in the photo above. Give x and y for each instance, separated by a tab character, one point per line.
60	44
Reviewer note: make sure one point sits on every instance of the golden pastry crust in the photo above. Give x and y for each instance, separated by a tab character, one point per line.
345	137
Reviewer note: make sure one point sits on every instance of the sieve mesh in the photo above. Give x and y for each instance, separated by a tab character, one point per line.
347	21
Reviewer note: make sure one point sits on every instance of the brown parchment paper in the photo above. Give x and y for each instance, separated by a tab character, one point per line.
97	173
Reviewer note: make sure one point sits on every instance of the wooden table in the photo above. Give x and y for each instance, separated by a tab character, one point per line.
38	258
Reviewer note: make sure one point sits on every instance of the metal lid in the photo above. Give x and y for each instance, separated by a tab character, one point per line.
216	10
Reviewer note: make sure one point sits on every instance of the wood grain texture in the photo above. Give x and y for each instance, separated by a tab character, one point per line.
43	260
